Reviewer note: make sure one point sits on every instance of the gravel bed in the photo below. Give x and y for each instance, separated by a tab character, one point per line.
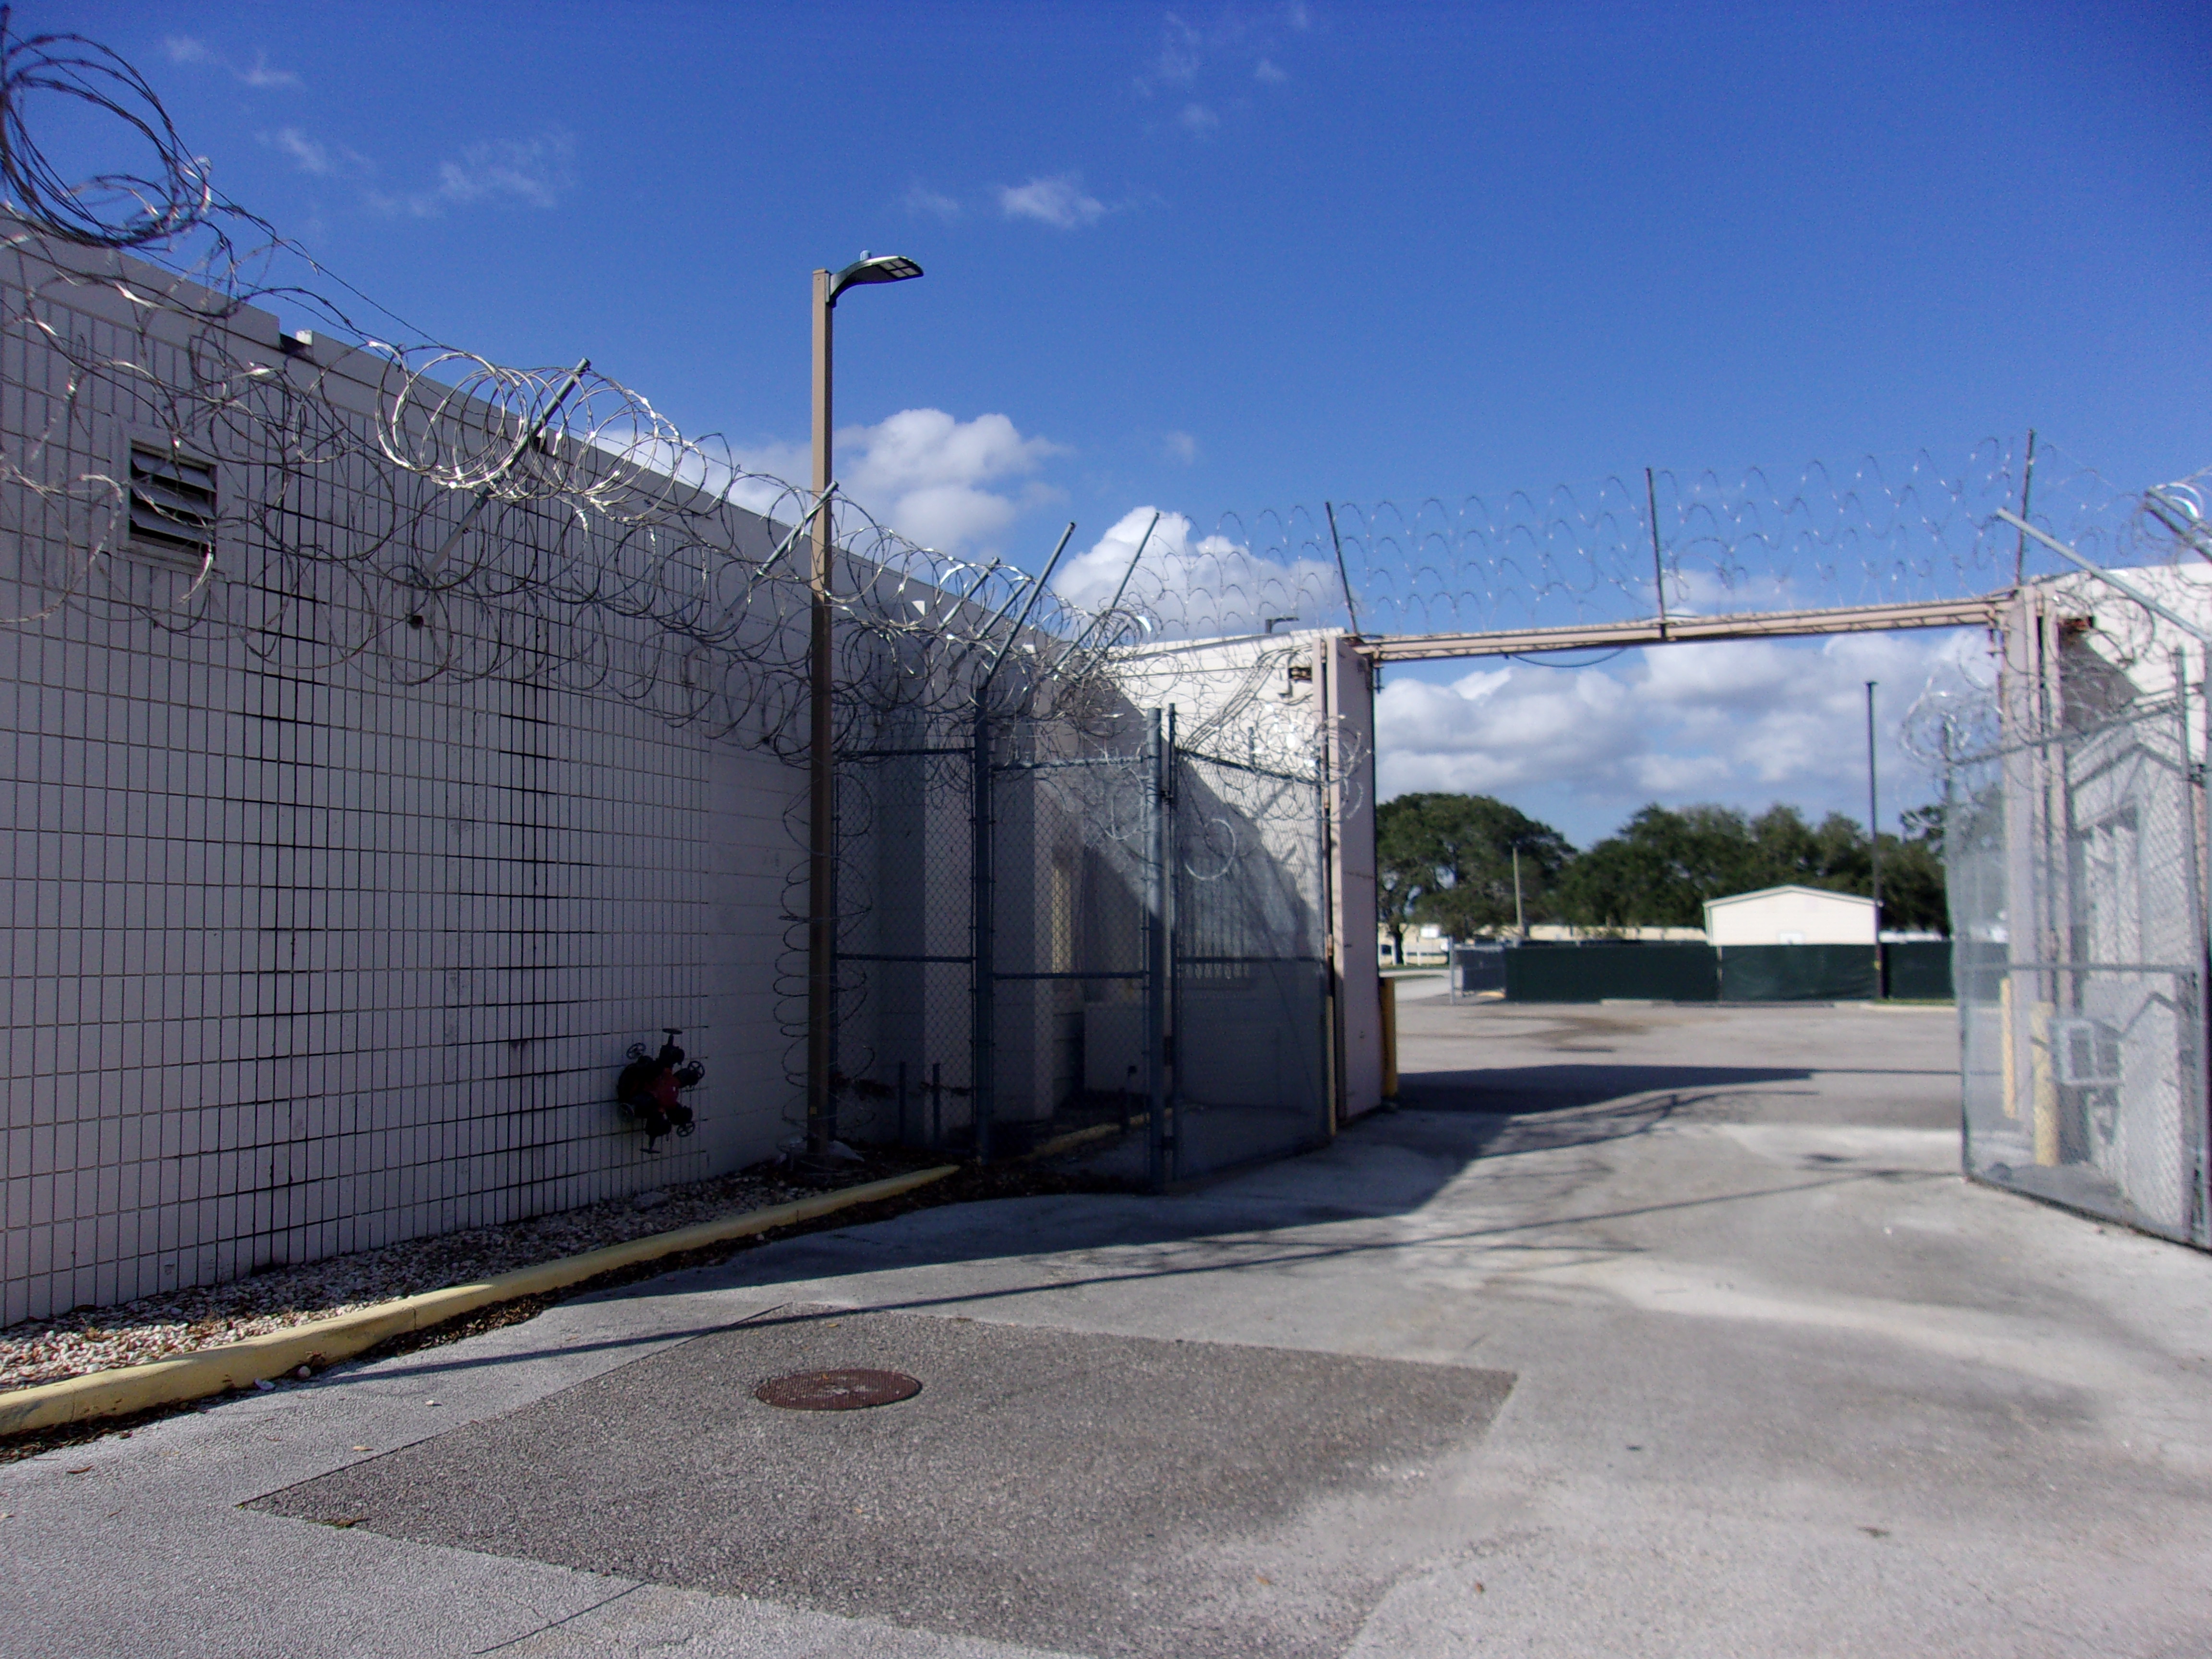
206	1317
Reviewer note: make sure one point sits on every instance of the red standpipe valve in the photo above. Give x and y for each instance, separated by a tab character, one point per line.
649	1090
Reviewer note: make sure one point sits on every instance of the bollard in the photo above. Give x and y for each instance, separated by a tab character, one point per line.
1389	1039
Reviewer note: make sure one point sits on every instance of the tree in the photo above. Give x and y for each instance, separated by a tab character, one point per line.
1447	859
1663	865
1913	894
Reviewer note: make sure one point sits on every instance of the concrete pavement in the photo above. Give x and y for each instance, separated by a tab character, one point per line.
1774	1380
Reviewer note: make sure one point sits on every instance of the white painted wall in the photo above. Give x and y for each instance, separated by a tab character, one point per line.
1789	915
326	931
304	958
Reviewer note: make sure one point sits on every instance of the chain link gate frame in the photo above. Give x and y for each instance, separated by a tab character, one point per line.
1127	936
2073	860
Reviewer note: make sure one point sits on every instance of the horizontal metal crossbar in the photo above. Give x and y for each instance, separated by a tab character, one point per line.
1057	765
1222	962
1137	973
868	955
2099	968
1245	767
1981	612
893	754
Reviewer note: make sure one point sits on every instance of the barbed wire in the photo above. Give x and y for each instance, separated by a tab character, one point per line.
432	515
417	507
1888	529
2158	539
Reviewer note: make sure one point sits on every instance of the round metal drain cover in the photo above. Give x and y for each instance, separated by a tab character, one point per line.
846	1390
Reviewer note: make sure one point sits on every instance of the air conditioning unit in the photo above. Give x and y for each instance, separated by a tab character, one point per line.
2089	1052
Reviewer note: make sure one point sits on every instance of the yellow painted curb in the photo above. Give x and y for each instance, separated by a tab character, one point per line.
194	1376
1075	1138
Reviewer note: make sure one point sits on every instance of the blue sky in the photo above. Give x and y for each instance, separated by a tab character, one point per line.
1223	259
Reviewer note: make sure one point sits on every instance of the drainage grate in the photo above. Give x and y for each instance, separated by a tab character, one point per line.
848	1390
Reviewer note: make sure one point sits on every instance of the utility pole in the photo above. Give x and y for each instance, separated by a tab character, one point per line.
821	776
821	781
1520	920
1874	846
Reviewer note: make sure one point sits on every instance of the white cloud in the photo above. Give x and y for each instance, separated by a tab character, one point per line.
530	173
1500	728
1194	61
1059	200
1179	446
183	49
939	480
1197	586
307	154
1181	49
311	155
920	200
260	75
1744	723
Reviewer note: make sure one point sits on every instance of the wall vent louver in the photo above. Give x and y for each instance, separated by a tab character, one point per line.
172	503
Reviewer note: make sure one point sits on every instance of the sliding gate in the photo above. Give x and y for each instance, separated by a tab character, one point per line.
1083	937
1250	1017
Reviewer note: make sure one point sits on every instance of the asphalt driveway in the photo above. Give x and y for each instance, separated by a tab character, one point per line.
1638	1331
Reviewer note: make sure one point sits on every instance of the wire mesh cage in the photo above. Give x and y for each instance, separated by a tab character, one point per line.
2075	859
1251	973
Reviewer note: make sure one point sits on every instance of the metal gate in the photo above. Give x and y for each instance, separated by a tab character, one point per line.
1053	932
2074	864
1250	1016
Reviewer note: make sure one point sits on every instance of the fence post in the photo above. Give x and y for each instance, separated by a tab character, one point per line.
2198	787
1326	896
983	1038
1155	950
2196	1151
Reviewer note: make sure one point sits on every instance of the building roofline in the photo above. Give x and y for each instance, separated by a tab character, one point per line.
1790	887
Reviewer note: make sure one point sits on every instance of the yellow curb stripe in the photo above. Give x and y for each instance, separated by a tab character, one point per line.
1075	1138
191	1377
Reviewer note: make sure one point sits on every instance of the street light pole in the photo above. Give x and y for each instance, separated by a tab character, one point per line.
822	778
1874	846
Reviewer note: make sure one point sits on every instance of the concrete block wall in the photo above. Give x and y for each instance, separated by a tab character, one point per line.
309	953
304	966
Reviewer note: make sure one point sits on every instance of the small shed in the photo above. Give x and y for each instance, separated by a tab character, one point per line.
1789	915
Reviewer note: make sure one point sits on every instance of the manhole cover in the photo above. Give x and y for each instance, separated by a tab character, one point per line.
837	1391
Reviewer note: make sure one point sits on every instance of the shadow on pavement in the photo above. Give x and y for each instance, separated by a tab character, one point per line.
1514	1089
1383	1166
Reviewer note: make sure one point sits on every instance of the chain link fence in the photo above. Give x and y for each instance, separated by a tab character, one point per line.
1251	1014
1055	932
2075	866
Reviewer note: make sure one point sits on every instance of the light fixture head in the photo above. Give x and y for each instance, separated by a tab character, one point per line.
878	268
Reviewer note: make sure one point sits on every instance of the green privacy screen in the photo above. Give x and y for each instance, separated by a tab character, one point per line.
1590	973
1920	971
1798	973
1741	973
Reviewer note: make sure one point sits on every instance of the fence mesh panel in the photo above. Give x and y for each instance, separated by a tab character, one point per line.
1250	1012
2073	862
1068	885
906	952
1112	937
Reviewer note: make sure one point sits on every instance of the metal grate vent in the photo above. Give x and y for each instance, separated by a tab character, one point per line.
172	503
2088	1054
